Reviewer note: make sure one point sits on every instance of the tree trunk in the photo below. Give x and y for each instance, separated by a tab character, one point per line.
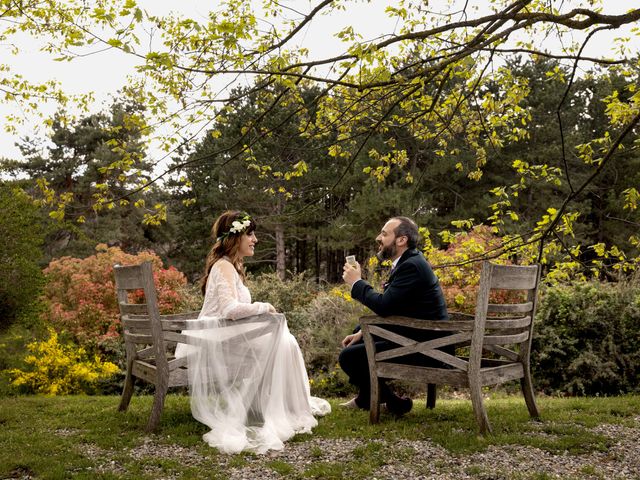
281	248
303	254
281	265
316	248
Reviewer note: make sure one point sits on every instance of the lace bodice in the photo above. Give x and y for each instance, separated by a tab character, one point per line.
226	296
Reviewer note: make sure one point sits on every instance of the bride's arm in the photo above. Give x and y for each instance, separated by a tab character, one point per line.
223	280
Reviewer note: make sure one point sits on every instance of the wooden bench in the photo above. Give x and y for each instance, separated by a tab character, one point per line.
150	338
497	341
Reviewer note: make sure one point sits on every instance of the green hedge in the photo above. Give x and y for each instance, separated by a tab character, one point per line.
587	339
21	231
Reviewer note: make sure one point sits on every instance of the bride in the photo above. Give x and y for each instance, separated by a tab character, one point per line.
251	389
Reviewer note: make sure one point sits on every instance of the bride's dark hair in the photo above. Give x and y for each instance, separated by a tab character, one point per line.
226	243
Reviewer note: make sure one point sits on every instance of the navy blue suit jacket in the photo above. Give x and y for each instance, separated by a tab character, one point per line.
413	291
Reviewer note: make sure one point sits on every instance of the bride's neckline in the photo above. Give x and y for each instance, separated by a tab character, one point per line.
224	257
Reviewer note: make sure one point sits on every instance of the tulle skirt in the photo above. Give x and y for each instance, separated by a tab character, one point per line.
249	385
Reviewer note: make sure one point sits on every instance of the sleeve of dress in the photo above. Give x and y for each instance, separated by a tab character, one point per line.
223	283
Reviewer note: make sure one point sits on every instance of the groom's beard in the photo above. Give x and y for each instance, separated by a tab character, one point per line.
387	252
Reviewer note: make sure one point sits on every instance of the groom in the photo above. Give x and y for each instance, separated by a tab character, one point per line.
412	291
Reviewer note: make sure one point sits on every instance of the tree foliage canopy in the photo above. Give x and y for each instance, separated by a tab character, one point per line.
440	97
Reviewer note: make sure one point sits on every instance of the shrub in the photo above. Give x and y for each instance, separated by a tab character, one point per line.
80	293
13	351
460	282
285	295
319	320
57	369
587	339
331	383
321	325
22	236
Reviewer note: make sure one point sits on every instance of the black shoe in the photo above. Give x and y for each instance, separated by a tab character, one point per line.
399	406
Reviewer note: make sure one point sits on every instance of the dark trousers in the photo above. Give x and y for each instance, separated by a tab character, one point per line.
353	361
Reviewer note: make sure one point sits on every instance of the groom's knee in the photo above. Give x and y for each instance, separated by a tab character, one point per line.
343	359
352	358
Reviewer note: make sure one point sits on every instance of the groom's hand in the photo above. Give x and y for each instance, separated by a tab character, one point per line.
353	338
352	273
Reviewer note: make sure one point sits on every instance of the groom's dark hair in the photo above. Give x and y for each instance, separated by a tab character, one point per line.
409	229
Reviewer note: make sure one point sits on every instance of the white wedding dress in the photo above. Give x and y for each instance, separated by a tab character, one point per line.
251	391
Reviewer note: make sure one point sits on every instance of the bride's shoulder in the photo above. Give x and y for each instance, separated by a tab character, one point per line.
225	267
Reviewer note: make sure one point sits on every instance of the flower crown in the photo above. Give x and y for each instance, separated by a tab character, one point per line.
237	226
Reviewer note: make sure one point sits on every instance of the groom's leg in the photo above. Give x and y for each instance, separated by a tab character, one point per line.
353	361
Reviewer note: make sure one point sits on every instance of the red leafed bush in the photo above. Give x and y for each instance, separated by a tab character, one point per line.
80	294
459	280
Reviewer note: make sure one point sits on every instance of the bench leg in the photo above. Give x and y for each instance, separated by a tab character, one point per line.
127	390
431	395
527	390
158	405
478	407
374	405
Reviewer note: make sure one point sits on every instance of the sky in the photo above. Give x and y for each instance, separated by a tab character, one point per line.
107	72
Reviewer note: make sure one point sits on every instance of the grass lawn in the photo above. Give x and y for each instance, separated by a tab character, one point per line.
85	437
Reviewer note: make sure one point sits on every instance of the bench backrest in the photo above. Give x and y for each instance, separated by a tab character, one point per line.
509	321
140	322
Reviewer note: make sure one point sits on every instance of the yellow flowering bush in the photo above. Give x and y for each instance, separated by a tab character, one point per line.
53	368
340	291
334	383
377	272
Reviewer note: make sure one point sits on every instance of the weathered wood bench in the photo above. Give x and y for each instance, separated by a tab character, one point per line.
150	338
497	340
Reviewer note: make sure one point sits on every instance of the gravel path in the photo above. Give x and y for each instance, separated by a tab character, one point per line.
406	459
430	461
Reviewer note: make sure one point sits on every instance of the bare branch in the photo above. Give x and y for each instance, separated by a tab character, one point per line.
298	27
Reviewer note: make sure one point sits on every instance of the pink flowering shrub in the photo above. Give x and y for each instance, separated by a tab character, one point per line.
80	295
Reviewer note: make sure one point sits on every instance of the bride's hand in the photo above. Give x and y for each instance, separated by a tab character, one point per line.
272	309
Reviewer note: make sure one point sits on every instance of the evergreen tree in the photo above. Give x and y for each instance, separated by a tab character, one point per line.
78	159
